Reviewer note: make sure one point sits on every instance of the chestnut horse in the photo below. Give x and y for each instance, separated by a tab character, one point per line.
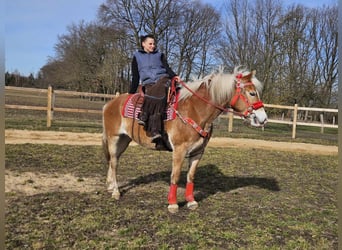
198	104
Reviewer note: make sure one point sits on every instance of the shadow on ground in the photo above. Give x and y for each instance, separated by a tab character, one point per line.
208	181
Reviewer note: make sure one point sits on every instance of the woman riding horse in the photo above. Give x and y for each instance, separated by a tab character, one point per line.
199	104
150	67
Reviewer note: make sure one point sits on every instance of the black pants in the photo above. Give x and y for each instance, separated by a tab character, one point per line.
153	108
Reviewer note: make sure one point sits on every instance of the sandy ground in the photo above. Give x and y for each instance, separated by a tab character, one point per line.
30	183
69	138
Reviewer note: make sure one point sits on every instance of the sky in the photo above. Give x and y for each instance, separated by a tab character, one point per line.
32	27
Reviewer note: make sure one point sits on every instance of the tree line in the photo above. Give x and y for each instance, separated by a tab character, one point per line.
293	48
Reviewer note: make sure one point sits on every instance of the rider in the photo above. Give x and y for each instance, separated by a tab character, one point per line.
151	69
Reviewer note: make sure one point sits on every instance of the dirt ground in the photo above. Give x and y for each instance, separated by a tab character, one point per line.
31	183
69	138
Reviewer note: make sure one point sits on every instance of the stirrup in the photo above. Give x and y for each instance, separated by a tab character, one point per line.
155	138
141	122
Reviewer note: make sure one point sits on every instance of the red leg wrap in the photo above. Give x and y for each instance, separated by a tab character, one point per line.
189	192
172	197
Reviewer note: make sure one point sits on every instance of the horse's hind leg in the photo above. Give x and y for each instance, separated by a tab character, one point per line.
114	146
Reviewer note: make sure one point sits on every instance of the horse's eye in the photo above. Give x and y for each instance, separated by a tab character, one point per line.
252	93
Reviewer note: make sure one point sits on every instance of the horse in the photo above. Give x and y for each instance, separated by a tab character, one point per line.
198	104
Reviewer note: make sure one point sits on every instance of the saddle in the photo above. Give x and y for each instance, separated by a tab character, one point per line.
133	104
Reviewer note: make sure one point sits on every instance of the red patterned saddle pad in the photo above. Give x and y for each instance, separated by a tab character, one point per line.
133	103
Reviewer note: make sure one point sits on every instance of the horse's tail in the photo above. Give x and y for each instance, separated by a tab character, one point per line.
104	138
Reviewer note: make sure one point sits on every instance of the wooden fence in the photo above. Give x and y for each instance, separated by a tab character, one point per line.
294	121
51	97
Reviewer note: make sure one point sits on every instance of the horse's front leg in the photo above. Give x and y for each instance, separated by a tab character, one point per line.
177	161
189	190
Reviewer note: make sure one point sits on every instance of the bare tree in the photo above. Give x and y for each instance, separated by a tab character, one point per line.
267	17
325	49
249	39
185	30
294	46
294	50
139	17
88	59
196	37
309	54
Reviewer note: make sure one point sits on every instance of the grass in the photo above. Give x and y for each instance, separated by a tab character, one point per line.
263	201
248	199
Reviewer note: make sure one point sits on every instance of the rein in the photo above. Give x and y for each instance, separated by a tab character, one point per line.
238	95
203	99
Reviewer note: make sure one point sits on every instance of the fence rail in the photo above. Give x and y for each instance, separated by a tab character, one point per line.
51	97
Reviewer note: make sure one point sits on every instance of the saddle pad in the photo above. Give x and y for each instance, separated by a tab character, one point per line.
133	103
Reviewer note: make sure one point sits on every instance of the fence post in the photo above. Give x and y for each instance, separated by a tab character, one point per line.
230	121
322	123
49	107
295	113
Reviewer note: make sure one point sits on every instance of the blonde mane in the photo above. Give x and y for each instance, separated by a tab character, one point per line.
219	84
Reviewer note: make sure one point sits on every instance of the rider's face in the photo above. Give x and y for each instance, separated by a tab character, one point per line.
149	45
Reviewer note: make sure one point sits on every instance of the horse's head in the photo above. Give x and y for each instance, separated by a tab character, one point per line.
246	100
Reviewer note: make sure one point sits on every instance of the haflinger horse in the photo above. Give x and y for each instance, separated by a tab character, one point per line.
194	108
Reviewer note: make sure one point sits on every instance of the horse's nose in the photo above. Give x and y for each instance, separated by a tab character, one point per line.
260	117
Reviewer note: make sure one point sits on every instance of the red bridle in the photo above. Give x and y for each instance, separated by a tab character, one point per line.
238	95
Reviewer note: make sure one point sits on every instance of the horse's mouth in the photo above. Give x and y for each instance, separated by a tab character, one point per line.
254	121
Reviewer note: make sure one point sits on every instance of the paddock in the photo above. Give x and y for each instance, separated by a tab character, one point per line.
250	198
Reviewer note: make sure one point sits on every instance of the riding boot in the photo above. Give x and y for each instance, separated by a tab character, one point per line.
142	118
155	126
144	112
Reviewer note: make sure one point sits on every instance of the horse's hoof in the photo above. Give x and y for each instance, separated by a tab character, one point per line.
116	195
192	205
110	188
173	208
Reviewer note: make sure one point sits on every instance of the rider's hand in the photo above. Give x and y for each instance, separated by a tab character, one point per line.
176	78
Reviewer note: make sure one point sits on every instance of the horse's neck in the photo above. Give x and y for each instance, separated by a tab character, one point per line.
197	108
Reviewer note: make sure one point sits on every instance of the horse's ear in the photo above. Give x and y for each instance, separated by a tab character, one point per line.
248	77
